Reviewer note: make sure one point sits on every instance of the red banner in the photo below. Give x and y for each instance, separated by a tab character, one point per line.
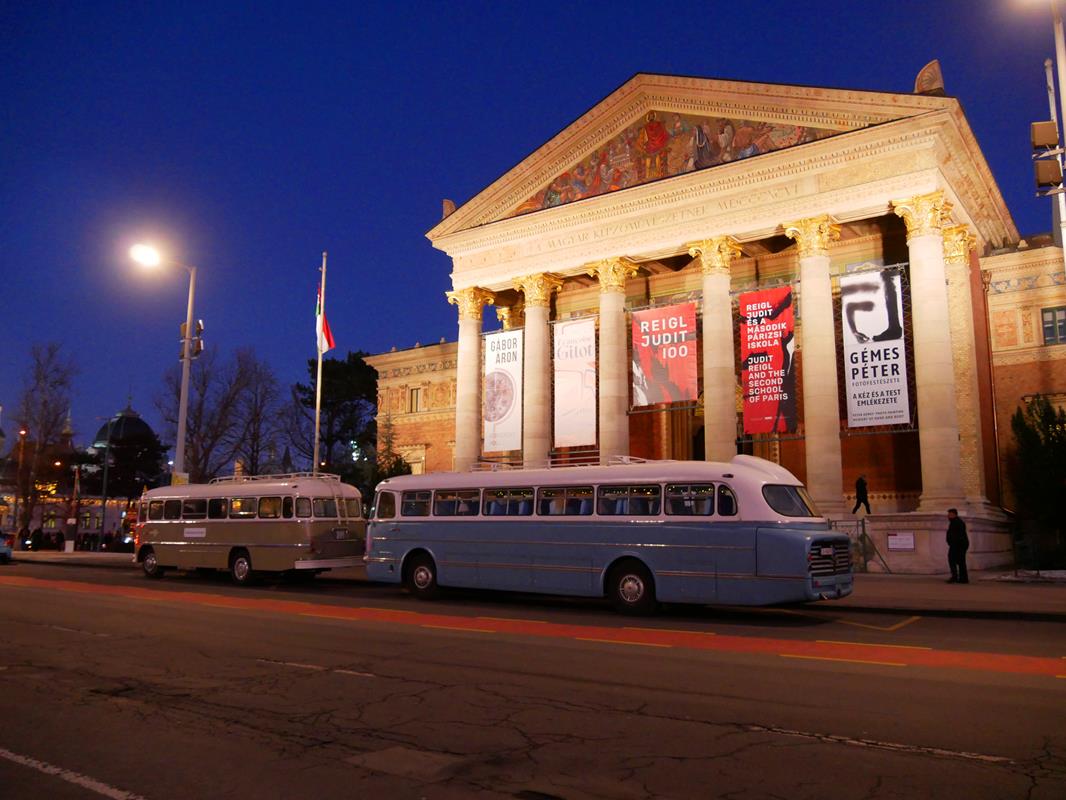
664	355
767	360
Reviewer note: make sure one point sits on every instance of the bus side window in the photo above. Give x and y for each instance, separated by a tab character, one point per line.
613	500
194	508
286	507
520	503
242	507
385	506
324	507
217	508
415	504
155	510
269	507
727	502
551	502
303	506
171	509
142	512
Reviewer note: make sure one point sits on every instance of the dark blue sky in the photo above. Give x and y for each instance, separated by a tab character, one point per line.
249	138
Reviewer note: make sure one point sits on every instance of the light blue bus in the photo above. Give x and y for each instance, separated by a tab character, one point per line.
737	533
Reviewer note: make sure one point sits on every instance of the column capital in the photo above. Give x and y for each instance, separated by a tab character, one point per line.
470	301
538	288
612	273
924	214
715	254
511	316
813	234
958	242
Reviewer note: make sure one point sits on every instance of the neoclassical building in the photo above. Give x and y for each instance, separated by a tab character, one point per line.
676	190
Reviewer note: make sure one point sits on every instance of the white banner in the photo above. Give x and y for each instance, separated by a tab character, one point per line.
502	406
575	382
875	362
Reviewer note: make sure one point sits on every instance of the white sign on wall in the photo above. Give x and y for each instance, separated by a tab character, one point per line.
502	399
575	382
875	362
900	541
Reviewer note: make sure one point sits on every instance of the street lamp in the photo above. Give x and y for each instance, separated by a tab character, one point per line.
150	257
18	486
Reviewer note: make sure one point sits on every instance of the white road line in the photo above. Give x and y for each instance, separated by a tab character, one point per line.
295	664
356	674
77	778
75	630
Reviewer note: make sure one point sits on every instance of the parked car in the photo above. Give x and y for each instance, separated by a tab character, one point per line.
7	540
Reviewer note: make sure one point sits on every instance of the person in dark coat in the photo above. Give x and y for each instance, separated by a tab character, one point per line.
958	544
861	498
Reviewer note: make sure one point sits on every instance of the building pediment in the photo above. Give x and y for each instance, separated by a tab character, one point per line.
658	127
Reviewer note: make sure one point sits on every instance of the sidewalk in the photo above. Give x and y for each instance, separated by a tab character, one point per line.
992	594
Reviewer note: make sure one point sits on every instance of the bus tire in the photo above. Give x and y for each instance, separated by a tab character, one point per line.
420	576
631	588
150	564
240	567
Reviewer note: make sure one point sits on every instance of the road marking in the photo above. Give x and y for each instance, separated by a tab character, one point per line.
621	641
888	628
847	660
84	781
514	619
75	630
459	628
874	644
294	664
668	630
356	674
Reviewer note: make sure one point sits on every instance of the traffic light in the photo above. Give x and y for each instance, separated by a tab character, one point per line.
196	346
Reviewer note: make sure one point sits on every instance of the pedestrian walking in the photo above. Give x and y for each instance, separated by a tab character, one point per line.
861	498
958	544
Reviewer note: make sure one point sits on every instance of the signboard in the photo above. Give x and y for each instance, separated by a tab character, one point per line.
502	405
767	360
875	362
575	382
901	541
664	355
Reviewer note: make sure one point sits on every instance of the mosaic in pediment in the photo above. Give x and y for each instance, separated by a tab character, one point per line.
665	144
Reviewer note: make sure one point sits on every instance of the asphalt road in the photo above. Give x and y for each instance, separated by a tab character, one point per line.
112	685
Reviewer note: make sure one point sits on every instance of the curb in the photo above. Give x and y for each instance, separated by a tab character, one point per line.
959	613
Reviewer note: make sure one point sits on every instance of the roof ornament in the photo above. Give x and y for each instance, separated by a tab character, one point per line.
930	80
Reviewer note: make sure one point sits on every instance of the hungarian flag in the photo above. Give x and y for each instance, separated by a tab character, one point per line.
325	337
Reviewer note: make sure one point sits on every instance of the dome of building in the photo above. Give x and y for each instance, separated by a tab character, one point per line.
125	426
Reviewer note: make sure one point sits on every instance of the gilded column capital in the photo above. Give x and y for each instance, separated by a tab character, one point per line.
538	288
958	242
715	254
612	273
924	213
511	316
470	301
813	234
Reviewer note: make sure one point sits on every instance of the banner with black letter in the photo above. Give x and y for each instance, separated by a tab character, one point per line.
664	355
767	360
575	382
875	362
502	405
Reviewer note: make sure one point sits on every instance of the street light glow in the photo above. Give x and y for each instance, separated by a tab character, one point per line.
145	255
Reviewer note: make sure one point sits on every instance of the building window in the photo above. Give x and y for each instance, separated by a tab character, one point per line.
1054	325
414	401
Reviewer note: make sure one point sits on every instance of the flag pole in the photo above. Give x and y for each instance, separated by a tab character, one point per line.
318	346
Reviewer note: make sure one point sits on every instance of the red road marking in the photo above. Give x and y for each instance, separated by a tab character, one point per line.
691	640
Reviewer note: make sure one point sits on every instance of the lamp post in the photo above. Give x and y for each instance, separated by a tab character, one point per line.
150	257
18	487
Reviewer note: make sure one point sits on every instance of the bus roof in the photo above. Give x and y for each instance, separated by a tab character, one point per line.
262	485
748	469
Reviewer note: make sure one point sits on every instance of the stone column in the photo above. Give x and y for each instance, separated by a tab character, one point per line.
536	366
958	244
934	365
468	375
719	365
821	409
613	366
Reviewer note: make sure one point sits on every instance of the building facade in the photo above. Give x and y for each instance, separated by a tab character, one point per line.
812	209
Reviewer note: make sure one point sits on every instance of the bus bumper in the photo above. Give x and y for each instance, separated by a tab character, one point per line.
329	563
830	587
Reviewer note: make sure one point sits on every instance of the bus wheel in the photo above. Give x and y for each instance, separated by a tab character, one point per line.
240	568
631	588
150	564
421	577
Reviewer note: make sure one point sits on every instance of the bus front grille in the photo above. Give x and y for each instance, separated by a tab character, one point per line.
829	558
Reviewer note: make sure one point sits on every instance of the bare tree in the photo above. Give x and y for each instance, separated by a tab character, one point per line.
258	407
214	425
42	411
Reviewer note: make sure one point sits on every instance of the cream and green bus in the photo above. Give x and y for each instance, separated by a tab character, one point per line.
298	523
